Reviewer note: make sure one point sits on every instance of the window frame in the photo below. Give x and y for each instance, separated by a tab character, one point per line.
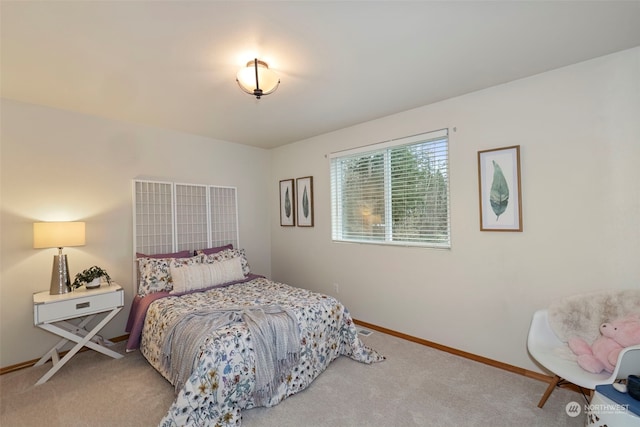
337	182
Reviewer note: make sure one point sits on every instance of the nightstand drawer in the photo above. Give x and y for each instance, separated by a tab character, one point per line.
76	307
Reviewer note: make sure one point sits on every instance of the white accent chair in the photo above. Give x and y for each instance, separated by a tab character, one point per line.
547	344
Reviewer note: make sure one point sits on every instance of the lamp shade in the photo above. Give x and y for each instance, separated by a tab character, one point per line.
58	234
257	79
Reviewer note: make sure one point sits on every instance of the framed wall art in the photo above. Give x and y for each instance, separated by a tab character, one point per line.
304	204
287	203
500	193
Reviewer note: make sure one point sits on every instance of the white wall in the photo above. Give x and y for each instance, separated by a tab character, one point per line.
579	133
58	165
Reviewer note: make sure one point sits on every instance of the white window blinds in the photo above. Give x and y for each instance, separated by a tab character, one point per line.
396	192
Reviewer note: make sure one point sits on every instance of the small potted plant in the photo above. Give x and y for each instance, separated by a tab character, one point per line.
90	277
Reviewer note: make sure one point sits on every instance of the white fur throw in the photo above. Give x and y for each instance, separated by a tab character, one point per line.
581	315
200	276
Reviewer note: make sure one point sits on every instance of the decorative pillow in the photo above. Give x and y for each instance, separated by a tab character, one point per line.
215	250
200	276
228	254
181	254
155	273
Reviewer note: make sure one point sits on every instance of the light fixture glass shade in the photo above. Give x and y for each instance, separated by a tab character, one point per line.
58	234
257	79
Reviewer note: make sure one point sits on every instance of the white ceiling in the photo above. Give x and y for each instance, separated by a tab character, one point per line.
172	64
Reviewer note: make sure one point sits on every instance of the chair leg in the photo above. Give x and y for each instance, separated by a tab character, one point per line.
552	385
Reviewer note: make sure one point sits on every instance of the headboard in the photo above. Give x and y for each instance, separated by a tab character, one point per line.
170	217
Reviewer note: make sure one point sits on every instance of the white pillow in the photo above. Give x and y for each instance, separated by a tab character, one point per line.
200	276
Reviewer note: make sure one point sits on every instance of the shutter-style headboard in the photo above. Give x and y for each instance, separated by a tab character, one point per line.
170	217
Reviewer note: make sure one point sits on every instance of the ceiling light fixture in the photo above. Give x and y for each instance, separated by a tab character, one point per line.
257	79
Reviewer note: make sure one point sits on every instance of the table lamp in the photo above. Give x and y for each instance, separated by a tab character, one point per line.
58	235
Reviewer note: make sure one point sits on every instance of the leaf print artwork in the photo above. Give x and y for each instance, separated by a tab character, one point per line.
305	203
499	189
287	204
499	195
303	208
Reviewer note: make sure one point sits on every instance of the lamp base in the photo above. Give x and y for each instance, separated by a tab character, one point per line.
60	281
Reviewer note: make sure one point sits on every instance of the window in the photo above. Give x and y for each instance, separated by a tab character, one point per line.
396	192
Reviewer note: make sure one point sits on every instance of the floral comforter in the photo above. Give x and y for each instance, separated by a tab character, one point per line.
223	378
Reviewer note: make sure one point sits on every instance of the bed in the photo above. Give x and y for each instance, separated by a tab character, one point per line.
228	339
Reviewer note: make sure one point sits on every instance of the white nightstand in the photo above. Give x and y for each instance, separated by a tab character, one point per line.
52	312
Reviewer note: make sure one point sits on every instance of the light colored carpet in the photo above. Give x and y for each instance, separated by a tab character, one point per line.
415	386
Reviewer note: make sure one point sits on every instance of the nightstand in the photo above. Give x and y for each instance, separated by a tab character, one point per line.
52	312
610	407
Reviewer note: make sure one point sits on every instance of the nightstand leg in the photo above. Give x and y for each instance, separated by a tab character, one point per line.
85	341
79	329
53	353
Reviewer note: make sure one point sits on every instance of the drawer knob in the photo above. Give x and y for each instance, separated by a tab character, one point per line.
83	305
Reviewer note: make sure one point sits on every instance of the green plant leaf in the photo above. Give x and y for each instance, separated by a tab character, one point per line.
89	274
499	195
305	203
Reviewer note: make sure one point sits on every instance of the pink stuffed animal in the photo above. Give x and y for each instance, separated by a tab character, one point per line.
602	355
